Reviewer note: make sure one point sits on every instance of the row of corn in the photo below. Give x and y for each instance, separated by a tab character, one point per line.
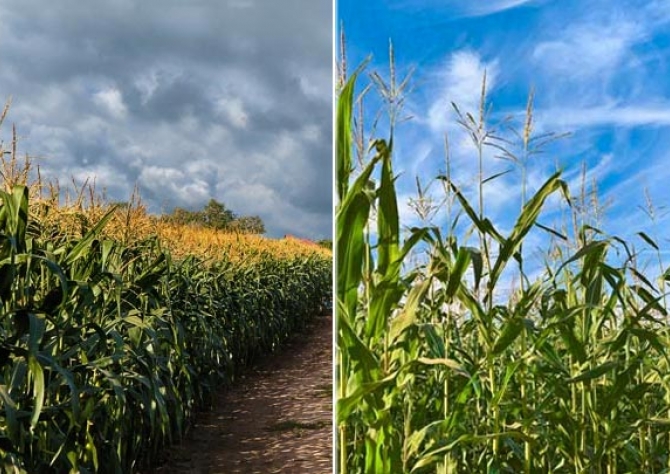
110	339
440	370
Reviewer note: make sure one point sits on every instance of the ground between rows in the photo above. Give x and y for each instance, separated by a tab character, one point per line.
276	419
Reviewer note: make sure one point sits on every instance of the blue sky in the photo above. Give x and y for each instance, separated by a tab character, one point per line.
599	70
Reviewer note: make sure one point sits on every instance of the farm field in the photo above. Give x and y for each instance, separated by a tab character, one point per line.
118	327
457	351
166	215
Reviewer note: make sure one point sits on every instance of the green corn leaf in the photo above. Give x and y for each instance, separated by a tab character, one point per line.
458	272
622	383
652	302
81	249
563	237
527	219
344	142
408	315
649	240
51	362
352	217
39	389
510	331
590	247
477	264
431	457
10	412
346	405
18	215
435	341
510	370
450	363
433	430
483	225
37	329
575	346
595	372
366	361
643	279
385	295
495	176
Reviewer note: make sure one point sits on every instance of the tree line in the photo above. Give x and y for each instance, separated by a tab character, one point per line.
216	215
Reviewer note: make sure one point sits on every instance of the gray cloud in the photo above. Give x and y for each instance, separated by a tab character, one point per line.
191	100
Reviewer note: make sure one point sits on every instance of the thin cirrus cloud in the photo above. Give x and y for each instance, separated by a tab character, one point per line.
464	8
656	115
190	100
589	49
488	8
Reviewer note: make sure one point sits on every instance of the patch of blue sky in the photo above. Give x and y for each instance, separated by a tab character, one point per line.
598	69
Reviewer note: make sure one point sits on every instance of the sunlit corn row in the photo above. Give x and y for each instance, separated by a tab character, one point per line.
113	332
66	214
439	371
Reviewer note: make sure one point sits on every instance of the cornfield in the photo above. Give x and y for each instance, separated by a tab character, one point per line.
115	329
440	370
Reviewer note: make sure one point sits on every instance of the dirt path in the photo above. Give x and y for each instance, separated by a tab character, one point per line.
276	419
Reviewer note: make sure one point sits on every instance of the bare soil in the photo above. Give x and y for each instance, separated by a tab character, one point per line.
276	419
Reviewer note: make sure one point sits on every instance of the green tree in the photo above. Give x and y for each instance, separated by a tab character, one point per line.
327	243
182	216
248	225
216	216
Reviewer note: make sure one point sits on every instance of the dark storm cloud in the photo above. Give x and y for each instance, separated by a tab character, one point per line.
191	100
180	97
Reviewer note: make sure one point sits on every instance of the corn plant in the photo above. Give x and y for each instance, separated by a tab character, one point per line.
112	337
439	371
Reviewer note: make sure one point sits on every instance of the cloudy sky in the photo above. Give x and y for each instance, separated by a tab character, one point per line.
599	70
223	99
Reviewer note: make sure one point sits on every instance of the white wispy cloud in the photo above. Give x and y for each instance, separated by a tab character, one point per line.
488	8
630	192
459	80
589	48
464	8
611	115
111	100
578	177
188	189
234	110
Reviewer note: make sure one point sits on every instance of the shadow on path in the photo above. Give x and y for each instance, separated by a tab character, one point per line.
275	419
